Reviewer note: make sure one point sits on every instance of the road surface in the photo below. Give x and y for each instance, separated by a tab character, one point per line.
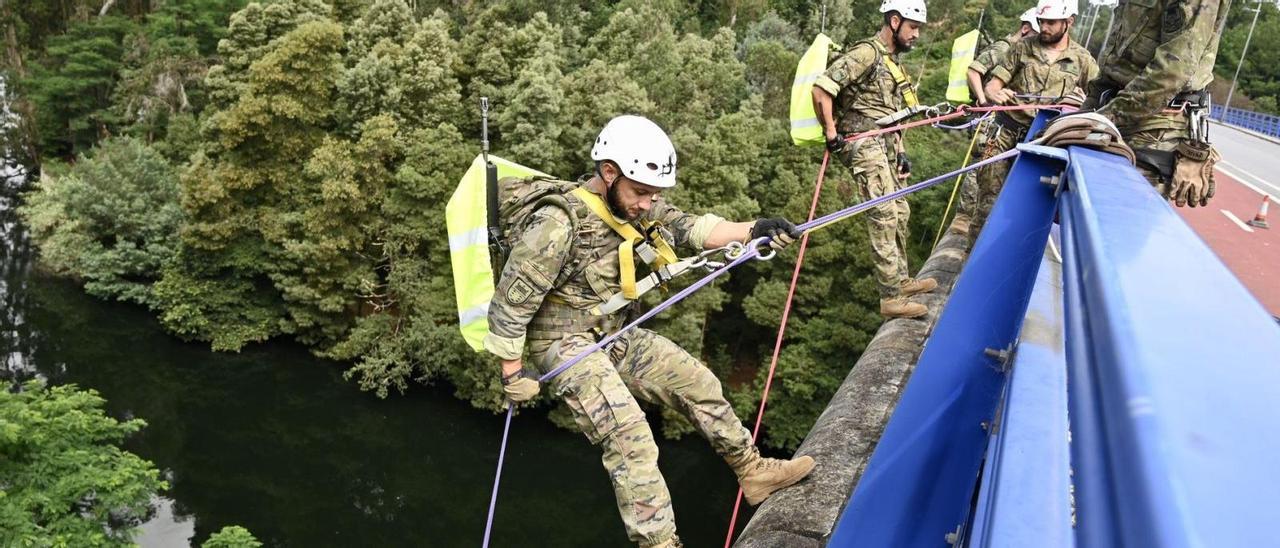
1250	168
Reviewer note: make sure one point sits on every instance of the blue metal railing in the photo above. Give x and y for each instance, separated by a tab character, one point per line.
1169	368
1266	124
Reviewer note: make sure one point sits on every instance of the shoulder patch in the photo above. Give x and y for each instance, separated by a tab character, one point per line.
519	292
1173	19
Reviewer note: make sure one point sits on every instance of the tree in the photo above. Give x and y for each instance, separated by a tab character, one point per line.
66	480
110	221
240	189
72	87
232	536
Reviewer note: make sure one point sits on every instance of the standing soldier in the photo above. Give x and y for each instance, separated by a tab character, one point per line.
863	85
555	293
988	58
1046	66
1153	85
991	55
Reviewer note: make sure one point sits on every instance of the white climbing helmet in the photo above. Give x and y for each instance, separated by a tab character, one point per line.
910	9
1029	17
1056	9
640	148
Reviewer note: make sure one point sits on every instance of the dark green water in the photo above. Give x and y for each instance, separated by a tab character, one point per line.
273	439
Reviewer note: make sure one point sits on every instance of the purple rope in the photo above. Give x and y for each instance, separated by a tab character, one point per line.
502	455
752	251
854	210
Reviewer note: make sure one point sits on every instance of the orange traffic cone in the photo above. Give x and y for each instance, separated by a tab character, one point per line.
1260	220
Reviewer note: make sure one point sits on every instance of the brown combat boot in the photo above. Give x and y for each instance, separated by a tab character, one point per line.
900	307
760	476
914	286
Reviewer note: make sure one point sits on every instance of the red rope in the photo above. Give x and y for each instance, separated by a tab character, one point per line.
961	111
804	243
782	329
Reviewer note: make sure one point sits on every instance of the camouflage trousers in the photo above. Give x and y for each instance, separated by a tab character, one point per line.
979	191
601	391
887	224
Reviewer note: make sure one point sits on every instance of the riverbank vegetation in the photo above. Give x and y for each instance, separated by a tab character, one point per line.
280	169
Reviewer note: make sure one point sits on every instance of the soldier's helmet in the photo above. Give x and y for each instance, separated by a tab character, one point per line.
1056	9
1030	18
641	149
910	9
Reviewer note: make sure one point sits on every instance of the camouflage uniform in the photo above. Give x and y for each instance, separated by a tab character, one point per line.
558	271
989	57
1160	49
1025	70
865	91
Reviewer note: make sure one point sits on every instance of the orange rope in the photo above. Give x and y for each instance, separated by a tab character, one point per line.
804	244
782	329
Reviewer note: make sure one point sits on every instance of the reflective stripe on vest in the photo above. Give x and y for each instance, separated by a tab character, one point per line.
805	129
963	50
631	238
467	222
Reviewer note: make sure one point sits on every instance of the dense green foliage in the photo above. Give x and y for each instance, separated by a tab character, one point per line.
112	219
64	481
288	163
232	536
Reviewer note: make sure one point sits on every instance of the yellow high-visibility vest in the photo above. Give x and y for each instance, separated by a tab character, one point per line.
805	129
963	50
468	225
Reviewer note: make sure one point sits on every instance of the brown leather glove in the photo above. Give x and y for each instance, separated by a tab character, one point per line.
519	387
1088	129
1193	174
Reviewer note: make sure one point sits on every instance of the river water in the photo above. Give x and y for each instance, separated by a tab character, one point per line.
275	440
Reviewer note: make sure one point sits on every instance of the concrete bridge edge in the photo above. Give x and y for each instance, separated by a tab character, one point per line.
845	435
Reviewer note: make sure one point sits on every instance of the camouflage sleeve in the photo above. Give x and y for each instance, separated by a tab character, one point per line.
530	271
846	69
1187	28
687	230
1089	74
989	57
1008	65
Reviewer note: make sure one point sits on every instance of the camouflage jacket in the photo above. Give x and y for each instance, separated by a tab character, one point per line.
1159	48
1027	70
991	55
555	274
863	89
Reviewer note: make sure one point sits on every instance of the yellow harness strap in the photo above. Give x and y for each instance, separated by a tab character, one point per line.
900	79
630	239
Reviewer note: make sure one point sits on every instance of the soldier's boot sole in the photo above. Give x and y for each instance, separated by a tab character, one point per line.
774	474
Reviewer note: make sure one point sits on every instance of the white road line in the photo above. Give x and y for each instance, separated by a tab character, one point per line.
1256	178
1236	220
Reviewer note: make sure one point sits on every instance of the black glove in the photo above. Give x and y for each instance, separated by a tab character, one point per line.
904	164
836	143
780	232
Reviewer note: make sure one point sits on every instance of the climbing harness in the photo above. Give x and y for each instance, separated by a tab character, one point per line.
737	253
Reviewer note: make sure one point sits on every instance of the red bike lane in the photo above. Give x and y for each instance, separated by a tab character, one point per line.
1252	253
